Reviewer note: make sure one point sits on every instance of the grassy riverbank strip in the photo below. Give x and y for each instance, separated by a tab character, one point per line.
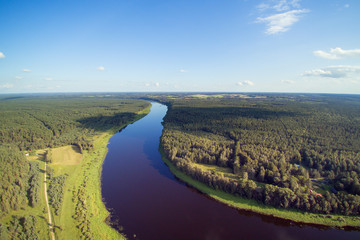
83	213
338	221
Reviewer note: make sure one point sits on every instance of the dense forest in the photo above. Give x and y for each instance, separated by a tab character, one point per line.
35	123
28	123
289	151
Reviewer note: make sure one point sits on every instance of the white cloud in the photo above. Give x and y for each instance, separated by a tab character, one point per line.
48	79
318	72
347	5
246	83
281	22
2	55
338	53
7	85
147	84
26	70
339	71
326	55
278	5
281	14
19	77
263	7
183	71
101	68
285	5
157	84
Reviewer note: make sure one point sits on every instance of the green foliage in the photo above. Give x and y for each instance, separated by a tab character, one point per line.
49	172
81	211
48	156
14	178
3	232
277	146
34	184
56	192
23	228
51	121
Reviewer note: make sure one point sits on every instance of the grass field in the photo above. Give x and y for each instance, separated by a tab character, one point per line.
68	155
206	96
254	206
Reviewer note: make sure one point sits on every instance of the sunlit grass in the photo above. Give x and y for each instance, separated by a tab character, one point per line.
67	155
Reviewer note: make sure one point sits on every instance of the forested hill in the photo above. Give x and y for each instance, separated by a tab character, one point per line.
285	150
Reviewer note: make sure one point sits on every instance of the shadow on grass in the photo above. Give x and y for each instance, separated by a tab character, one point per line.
104	123
76	149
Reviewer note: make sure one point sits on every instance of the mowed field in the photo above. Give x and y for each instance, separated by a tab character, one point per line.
68	155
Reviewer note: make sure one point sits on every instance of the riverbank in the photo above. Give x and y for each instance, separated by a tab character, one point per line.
320	220
83	213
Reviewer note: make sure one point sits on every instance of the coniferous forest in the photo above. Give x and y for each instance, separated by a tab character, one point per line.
289	151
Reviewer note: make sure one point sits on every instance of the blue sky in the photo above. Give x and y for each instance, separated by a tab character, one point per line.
180	45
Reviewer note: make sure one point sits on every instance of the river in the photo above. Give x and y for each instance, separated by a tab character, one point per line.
147	202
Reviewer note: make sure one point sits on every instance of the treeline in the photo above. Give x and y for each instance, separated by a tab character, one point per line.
22	228
286	151
34	184
20	187
56	192
35	123
81	212
16	180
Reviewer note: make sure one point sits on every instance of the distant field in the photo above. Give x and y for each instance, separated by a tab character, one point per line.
206	96
68	155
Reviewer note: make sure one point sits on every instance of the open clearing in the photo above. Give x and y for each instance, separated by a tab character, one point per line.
68	155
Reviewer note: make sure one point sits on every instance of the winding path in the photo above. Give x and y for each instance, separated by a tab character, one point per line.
48	208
